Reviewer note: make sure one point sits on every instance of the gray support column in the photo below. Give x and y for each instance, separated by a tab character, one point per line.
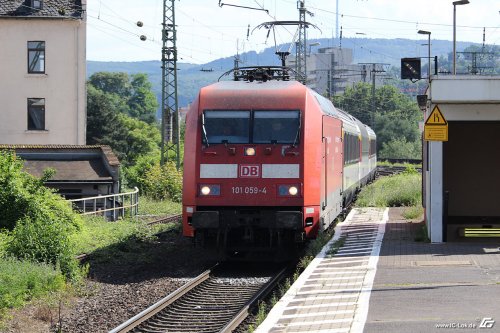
436	191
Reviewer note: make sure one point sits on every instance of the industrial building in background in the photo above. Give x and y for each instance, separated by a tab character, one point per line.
330	71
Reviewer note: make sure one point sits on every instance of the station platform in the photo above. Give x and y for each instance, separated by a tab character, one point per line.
332	294
382	280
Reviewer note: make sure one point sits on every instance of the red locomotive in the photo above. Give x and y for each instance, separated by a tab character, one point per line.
268	164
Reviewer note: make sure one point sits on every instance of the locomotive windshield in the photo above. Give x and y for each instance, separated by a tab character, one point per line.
276	127
250	126
226	126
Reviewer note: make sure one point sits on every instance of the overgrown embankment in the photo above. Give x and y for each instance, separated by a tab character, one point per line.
401	190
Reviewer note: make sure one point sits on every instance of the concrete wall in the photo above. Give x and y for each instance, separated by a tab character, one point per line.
62	85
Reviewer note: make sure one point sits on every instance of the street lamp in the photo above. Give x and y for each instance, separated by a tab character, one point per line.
428	33
455	3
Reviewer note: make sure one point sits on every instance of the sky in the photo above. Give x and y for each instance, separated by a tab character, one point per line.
207	31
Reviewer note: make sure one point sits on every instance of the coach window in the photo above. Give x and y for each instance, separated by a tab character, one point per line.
351	149
36	114
226	126
276	127
36	57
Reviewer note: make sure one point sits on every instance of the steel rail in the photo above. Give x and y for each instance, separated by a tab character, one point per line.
245	311
171	218
157	320
161	304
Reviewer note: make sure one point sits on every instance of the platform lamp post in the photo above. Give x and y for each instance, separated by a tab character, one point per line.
428	33
455	3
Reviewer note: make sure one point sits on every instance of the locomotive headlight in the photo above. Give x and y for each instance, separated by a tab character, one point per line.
293	190
288	190
250	151
205	190
209	189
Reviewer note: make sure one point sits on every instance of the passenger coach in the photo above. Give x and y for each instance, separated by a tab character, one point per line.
269	164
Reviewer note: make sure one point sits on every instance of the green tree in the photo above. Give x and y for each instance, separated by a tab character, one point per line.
141	138
401	148
131	95
357	102
128	137
117	83
142	102
104	125
394	117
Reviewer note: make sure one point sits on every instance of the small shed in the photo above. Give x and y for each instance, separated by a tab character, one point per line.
80	171
461	178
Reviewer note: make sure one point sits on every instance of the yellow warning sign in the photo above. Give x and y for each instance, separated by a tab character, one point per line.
436	117
436	126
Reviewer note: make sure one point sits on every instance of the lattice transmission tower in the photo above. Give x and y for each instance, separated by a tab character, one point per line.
170	134
300	49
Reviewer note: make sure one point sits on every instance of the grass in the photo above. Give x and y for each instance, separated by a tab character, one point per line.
22	281
97	233
149	206
386	163
335	247
395	191
413	212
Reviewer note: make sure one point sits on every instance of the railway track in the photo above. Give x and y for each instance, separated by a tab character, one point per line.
167	219
215	301
386	170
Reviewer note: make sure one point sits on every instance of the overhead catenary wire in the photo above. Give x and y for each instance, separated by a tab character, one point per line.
228	33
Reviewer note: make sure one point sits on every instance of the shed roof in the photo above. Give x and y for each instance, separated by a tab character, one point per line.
91	170
64	149
94	164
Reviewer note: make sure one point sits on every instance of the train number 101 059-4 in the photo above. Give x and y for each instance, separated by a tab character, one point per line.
248	190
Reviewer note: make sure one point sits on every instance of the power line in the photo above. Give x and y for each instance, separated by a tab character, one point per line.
399	21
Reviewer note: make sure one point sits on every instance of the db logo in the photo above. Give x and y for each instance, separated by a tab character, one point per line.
250	171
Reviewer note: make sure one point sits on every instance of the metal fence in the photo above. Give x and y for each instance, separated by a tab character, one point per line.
111	206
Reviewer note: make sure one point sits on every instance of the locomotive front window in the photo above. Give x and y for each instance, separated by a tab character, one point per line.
276	127
226	126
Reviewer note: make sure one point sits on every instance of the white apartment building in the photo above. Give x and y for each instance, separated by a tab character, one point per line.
42	72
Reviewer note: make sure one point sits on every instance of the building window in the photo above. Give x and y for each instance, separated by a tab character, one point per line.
36	4
36	57
36	114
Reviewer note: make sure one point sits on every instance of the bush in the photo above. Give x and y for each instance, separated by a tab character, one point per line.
22	280
154	181
134	175
40	221
47	241
163	182
4	243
